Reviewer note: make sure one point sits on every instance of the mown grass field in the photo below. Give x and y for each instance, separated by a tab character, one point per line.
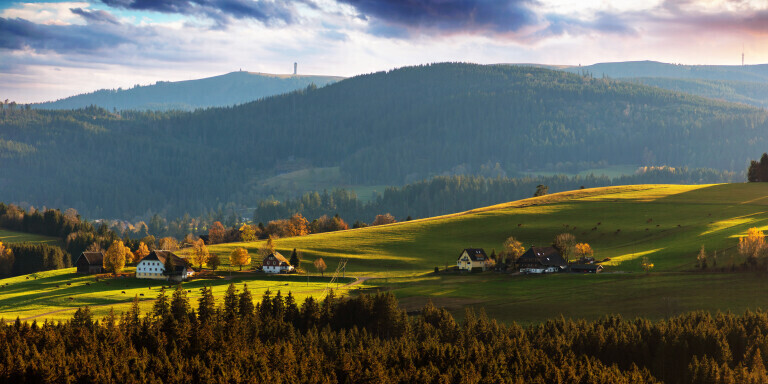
46	295
20	237
666	223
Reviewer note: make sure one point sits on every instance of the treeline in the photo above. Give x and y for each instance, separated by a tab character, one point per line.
386	128
30	258
370	339
449	194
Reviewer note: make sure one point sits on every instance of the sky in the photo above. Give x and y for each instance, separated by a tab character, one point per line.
54	49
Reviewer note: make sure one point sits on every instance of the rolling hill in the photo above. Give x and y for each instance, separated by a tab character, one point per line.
218	91
739	84
666	223
386	128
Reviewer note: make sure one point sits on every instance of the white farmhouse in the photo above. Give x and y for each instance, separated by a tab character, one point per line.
154	265
276	263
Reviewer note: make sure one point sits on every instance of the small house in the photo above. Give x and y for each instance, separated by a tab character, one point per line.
541	260
163	265
90	263
276	263
586	268
472	258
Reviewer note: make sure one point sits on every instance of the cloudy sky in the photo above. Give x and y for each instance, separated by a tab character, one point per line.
54	49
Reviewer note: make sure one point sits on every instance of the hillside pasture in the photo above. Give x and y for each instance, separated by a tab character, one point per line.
666	223
8	237
53	295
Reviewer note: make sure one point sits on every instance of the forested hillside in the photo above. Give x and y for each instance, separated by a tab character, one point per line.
218	91
733	83
385	128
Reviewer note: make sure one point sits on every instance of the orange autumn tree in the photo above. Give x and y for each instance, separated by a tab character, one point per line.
239	257
141	252
584	250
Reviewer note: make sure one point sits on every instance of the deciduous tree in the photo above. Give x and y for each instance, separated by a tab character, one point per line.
114	258
384	219
216	233
239	257
565	243
247	233
753	245
583	250
168	244
200	254
141	252
214	261
320	265
512	250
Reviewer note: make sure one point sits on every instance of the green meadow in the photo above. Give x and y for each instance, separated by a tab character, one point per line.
53	295
20	237
668	224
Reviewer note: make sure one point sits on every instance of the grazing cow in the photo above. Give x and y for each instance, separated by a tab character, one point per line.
27	277
594	228
69	283
57	286
141	294
70	299
520	225
599	223
646	229
88	284
123	292
189	290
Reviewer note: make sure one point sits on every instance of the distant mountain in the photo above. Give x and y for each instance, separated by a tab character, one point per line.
385	128
741	84
654	69
218	91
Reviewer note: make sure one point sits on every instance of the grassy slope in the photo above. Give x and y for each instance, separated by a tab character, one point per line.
403	254
44	292
682	219
20	237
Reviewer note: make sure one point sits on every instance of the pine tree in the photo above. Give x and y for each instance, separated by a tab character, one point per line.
230	302
245	303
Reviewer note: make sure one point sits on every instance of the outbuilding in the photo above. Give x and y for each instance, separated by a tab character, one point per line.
90	263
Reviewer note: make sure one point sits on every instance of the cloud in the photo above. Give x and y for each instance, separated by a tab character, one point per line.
220	11
445	16
20	34
96	16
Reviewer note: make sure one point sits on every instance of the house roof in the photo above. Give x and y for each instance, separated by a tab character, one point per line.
476	254
163	256
279	257
93	258
546	256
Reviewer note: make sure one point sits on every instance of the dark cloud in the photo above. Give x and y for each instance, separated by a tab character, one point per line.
601	23
17	34
96	16
498	16
221	11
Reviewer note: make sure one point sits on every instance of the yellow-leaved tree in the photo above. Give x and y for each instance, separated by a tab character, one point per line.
114	258
583	250
239	257
141	252
200	253
752	246
320	265
512	250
